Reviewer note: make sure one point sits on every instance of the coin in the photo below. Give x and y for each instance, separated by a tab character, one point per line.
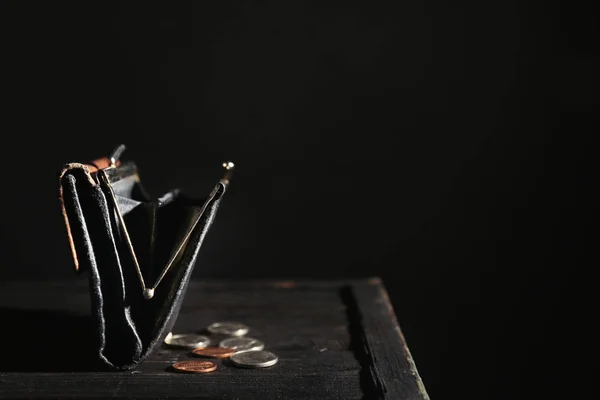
214	352
228	328
242	344
254	359
186	340
196	367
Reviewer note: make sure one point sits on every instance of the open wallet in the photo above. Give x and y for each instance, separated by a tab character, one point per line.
139	252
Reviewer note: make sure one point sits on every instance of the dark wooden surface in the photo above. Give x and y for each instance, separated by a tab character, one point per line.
334	339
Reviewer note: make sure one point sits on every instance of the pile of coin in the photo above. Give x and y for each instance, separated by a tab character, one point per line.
244	352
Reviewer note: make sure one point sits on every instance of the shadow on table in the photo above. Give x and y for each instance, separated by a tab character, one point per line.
45	341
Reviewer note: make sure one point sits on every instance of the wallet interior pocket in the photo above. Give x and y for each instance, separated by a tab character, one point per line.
157	230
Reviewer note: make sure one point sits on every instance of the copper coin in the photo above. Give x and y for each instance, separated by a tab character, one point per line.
197	367
214	352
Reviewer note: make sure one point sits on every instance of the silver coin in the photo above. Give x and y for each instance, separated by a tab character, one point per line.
228	328
254	359
187	340
240	344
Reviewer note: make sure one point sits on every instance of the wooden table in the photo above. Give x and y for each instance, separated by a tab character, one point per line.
334	339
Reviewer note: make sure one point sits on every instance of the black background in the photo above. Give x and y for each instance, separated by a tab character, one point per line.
435	144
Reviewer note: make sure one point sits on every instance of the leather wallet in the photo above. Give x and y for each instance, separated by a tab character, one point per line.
139	252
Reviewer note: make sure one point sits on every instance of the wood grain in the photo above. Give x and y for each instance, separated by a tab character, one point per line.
334	339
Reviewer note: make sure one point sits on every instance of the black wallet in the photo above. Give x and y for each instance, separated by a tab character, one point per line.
139	252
